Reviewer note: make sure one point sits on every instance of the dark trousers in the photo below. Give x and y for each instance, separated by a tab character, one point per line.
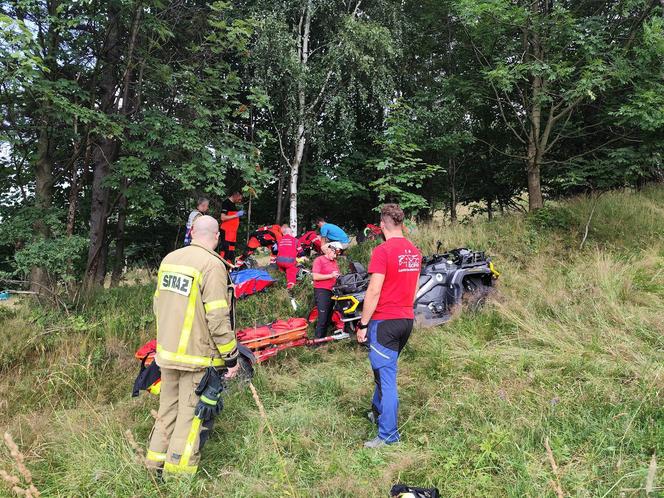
386	340
323	298
226	246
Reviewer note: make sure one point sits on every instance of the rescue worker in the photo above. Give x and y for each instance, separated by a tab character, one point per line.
287	252
230	224
329	232
195	337
265	236
202	206
387	318
324	272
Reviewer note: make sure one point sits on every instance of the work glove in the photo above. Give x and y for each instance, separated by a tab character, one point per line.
209	389
240	213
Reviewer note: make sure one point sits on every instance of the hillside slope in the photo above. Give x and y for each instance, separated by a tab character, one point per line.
570	353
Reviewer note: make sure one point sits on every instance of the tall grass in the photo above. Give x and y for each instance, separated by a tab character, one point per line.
570	352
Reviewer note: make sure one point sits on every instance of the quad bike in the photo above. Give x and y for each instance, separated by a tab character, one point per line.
449	279
348	295
446	281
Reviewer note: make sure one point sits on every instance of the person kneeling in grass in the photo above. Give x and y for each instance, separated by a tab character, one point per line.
387	318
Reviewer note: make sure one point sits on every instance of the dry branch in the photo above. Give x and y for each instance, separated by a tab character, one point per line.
554	484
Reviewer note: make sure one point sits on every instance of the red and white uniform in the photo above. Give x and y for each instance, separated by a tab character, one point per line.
287	258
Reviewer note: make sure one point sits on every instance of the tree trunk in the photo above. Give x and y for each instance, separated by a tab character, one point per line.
75	186
300	138
280	196
105	151
73	201
294	174
451	175
535	200
489	208
43	195
130	102
534	152
118	264
44	180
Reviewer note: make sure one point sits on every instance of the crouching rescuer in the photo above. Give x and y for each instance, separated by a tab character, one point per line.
195	344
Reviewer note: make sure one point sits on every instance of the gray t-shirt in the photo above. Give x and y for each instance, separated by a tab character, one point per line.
192	216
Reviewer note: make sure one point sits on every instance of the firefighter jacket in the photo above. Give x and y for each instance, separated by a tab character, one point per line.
193	306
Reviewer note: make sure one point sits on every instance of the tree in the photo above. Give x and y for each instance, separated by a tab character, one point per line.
309	57
542	60
400	171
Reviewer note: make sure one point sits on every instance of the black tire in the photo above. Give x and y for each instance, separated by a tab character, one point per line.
475	294
349	327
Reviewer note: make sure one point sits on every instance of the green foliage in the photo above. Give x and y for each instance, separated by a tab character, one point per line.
401	173
552	218
62	257
429	104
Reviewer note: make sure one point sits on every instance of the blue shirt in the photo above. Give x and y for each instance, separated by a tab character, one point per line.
334	234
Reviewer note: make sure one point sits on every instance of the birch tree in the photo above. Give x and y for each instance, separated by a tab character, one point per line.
307	54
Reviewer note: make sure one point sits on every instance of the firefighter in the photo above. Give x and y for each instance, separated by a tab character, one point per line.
230	223
195	338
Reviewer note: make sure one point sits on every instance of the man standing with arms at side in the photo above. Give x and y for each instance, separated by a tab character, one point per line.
230	223
194	338
387	318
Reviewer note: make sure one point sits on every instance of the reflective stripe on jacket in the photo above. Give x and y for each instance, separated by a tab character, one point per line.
192	304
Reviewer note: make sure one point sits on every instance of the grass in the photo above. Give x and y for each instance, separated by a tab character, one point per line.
570	351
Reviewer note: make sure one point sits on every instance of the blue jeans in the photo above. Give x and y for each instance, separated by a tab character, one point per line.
386	340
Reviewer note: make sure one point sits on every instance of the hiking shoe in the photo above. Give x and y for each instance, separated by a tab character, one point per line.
375	443
372	417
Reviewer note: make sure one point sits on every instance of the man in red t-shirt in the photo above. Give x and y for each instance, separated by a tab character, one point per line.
387	318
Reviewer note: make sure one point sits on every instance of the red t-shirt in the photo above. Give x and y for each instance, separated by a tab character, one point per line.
399	260
288	247
324	266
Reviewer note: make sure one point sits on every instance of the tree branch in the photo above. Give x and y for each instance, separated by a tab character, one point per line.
281	144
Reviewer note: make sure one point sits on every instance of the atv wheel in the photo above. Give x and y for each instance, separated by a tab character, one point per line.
349	327
475	295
